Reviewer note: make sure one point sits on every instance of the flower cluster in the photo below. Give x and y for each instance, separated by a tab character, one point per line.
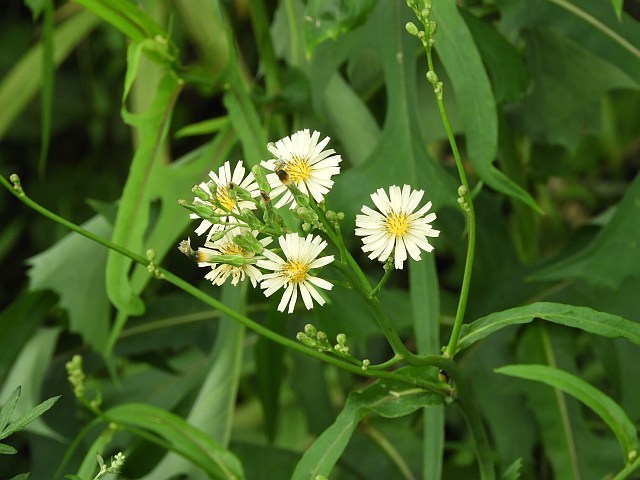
239	218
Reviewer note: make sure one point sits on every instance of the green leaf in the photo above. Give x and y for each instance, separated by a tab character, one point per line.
386	399
20	85
36	7
608	410
425	301
19	322
474	97
7	408
614	253
270	372
89	462
181	437
134	212
22	476
214	406
74	269
7	449
48	69
327	19
564	103
513	471
617	7
28	417
507	70
126	17
206	127
29	372
592	321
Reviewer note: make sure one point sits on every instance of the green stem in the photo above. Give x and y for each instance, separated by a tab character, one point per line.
471	221
216	304
383	280
628	470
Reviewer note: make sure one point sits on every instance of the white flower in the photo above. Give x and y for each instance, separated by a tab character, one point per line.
220	272
222	181
398	228
301	159
292	274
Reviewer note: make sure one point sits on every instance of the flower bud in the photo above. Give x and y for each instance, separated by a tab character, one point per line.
341	338
310	330
411	28
462	191
261	179
432	78
308	341
248	217
247	241
200	192
307	215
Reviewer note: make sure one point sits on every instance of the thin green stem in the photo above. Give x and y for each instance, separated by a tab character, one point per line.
468	207
216	304
384	365
628	470
383	280
599	25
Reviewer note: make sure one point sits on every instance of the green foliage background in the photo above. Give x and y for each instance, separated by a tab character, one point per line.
111	110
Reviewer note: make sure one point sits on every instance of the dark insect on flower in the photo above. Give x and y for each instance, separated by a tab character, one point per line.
265	197
443	376
281	172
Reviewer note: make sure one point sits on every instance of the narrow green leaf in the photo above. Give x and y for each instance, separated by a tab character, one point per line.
614	252
425	301
205	127
327	19
213	409
126	17
270	372
7	409
48	69
21	476
592	321
183	438
513	471
617	7
459	54
89	462
7	449
29	371
29	417
23	81
608	410
387	399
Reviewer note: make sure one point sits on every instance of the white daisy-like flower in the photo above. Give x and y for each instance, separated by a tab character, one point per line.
301	160
396	227
292	273
222	181
220	272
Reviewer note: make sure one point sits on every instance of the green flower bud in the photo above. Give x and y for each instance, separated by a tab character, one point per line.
307	215
250	243
432	78
200	192
341	338
261	178
248	217
310	330
331	215
308	341
462	191
411	28
340	215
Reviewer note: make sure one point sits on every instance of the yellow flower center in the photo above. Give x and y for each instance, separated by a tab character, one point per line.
233	249
224	198
298	169
396	224
295	272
